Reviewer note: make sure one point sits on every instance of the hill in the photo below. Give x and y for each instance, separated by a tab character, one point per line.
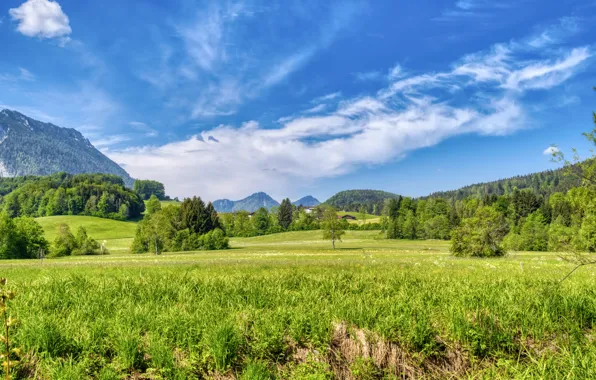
352	200
31	147
117	234
543	183
308	201
250	204
101	195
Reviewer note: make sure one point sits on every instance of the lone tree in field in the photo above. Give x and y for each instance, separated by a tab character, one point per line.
332	226
284	216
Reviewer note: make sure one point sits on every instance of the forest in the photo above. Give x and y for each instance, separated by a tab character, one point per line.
101	195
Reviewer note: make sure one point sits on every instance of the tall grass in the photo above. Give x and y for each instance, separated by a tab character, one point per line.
250	315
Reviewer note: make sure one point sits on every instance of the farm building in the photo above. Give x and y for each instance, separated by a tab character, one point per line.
347	217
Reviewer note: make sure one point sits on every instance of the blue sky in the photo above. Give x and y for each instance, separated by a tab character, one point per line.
225	98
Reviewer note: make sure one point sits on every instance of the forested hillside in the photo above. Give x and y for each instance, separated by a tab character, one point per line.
101	195
31	147
542	183
353	200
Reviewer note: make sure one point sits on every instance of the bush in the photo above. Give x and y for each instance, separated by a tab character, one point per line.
213	240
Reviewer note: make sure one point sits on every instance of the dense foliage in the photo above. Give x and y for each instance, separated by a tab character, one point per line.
188	227
147	188
21	238
531	222
30	147
67	244
101	195
354	200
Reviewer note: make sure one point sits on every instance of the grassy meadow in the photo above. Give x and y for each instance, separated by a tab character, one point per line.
117	234
287	306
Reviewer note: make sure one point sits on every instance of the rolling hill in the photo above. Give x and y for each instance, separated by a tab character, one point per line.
31	147
117	234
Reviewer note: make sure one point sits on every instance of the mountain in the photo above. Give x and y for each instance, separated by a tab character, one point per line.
308	201
352	200
224	205
31	147
250	204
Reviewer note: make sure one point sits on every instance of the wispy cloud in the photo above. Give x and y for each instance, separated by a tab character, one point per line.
326	98
369	76
316	109
144	128
465	9
23	75
209	68
409	113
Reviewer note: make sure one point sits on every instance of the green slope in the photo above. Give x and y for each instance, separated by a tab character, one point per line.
117	234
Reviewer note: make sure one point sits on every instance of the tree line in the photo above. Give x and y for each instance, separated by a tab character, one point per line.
101	195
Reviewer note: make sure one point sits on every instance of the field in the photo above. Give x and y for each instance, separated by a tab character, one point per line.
117	235
287	306
370	218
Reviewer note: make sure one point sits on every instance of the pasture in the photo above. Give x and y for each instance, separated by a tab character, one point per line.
117	234
287	306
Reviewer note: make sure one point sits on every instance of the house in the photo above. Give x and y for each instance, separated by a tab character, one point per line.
347	217
309	210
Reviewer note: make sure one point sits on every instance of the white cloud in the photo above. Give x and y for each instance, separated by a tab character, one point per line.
409	113
551	150
41	18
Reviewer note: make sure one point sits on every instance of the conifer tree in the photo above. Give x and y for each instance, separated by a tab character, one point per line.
284	216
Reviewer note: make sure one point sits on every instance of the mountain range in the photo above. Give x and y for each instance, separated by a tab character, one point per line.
31	147
256	201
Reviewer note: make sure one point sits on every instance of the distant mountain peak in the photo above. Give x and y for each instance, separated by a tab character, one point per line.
32	147
251	203
307	201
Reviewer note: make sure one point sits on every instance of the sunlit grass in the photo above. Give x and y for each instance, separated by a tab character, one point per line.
252	310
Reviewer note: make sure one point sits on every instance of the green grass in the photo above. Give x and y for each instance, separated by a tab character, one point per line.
370	218
287	306
117	234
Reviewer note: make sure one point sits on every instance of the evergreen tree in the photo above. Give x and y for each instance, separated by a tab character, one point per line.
284	215
214	218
